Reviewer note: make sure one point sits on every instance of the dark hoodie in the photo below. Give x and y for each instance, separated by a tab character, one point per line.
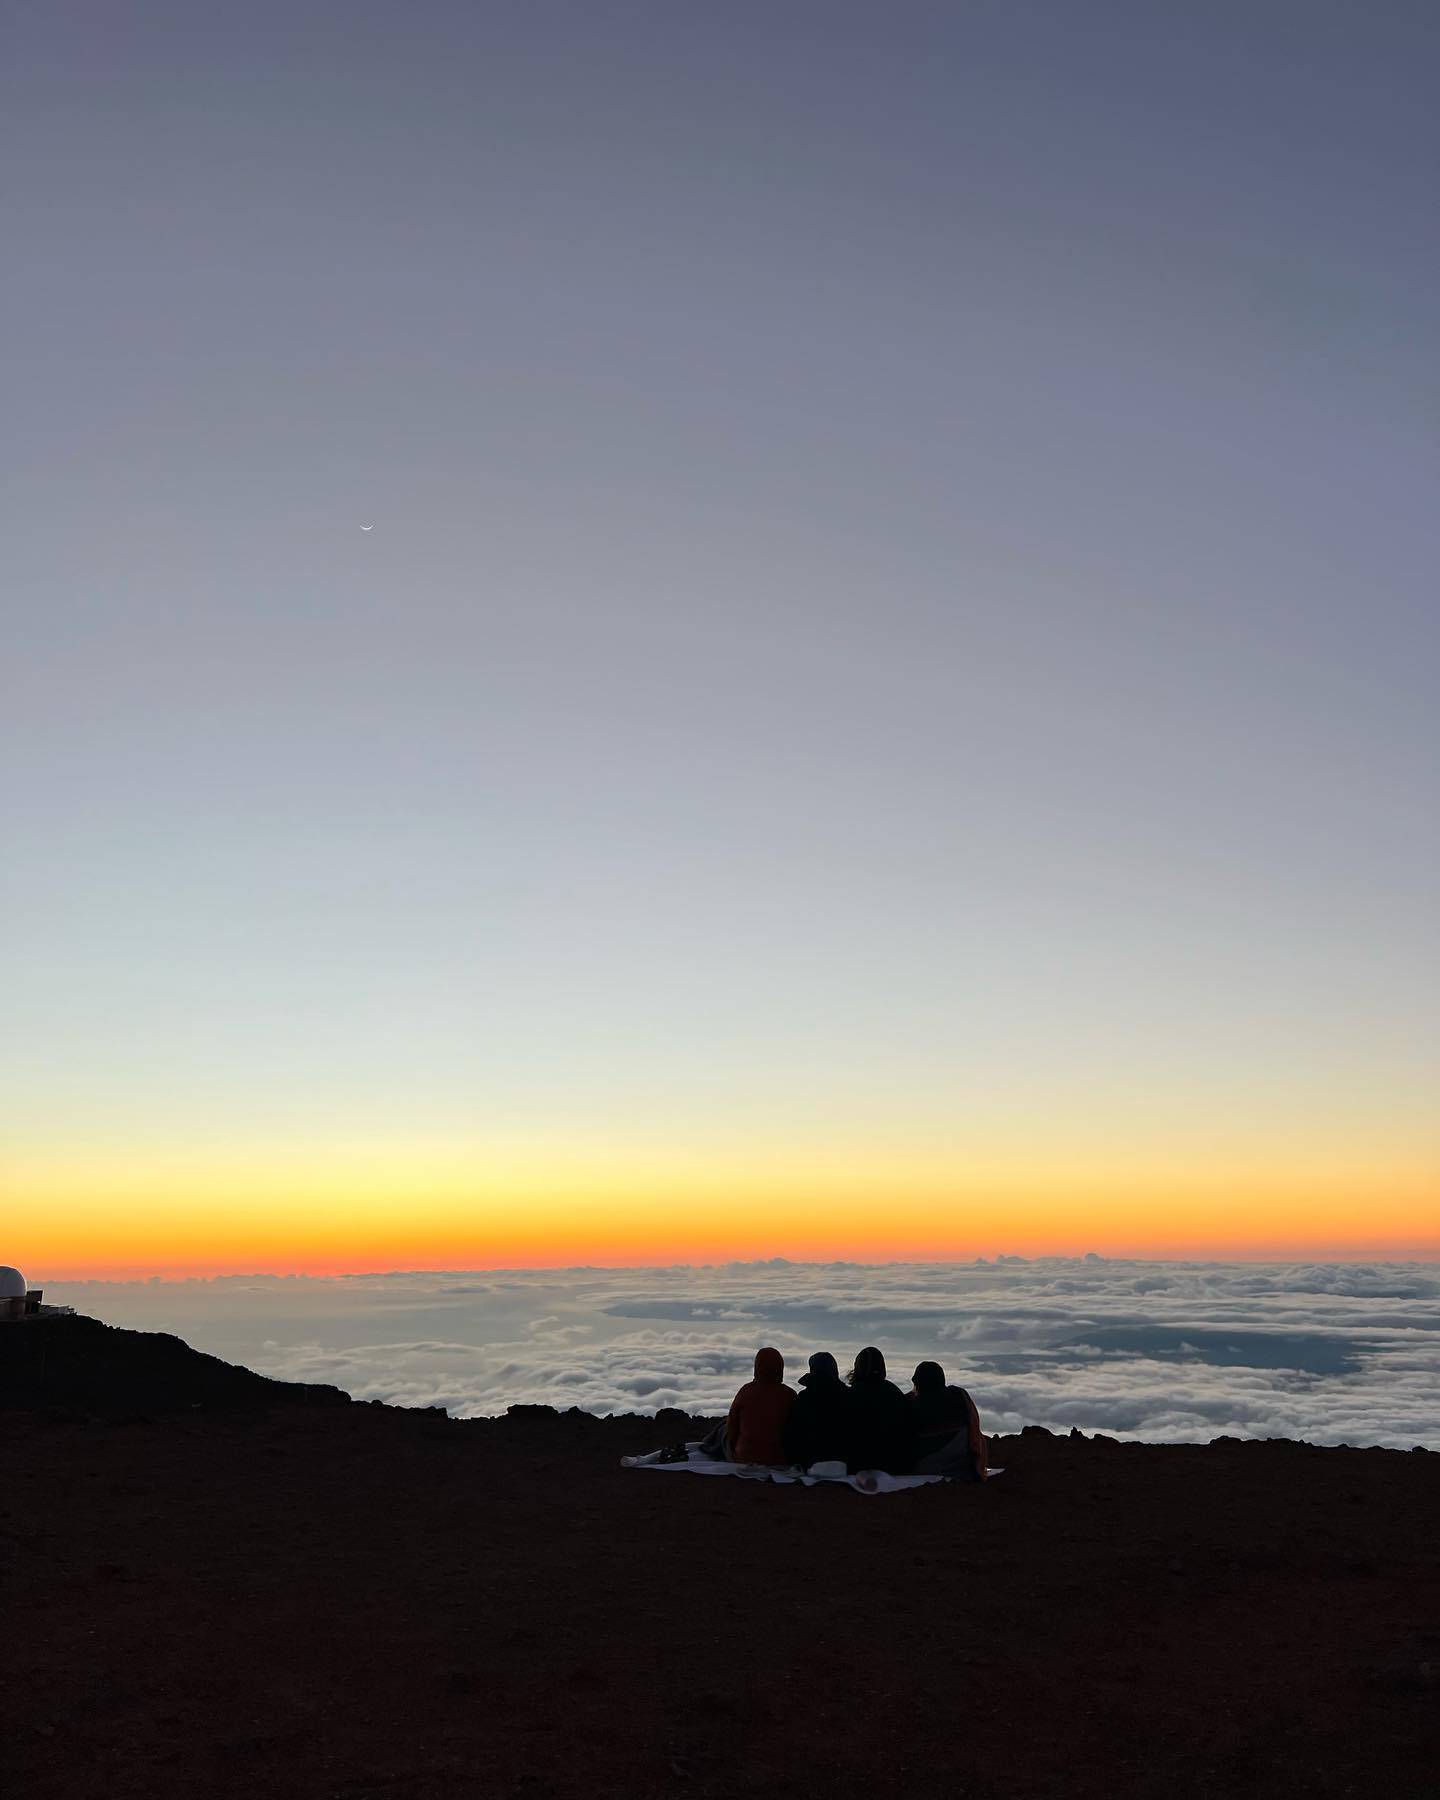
947	1424
815	1430
880	1428
755	1430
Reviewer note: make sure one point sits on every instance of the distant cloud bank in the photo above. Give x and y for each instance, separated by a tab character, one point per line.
1332	1353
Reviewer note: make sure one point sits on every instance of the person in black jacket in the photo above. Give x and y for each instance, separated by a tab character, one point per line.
880	1426
816	1428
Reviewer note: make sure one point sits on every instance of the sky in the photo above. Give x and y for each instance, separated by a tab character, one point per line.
1161	1352
887	706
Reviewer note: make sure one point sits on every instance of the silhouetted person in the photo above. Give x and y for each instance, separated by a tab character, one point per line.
948	1439
816	1430
755	1430
880	1426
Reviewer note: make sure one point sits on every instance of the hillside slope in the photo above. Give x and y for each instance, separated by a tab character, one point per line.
79	1364
364	1603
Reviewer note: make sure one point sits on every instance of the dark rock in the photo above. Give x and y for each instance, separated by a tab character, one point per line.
56	1365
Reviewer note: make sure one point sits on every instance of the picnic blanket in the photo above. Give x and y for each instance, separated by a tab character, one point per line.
867	1481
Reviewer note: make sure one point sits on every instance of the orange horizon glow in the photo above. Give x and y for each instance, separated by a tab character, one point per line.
323	1210
1360	1250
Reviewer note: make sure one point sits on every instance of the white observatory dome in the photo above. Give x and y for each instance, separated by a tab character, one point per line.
12	1283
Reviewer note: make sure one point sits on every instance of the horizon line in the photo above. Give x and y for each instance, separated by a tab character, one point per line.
175	1276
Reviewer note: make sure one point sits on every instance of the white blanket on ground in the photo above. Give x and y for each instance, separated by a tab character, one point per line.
868	1481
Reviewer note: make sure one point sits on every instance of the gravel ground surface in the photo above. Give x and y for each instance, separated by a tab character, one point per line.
331	1600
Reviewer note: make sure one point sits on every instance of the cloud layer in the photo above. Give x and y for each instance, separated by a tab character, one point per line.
1332	1353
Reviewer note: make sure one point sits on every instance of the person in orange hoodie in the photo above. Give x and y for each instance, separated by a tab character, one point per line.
755	1430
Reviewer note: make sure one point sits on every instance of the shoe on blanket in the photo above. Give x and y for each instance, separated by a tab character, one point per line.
673	1453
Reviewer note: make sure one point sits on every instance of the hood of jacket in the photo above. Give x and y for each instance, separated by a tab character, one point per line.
823	1368
769	1365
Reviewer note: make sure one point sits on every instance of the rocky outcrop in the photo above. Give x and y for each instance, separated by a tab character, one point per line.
76	1364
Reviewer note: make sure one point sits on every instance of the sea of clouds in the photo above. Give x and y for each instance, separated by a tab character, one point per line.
1329	1352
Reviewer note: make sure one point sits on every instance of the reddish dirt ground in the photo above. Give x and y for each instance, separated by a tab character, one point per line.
358	1601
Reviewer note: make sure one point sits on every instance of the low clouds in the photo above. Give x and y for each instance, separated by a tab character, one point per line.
1327	1352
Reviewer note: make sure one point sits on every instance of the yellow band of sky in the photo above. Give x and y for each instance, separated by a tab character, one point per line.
427	1205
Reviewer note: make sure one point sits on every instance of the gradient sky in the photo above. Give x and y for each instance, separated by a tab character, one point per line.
888	708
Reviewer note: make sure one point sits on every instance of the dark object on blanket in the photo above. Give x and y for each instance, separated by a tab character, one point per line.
948	1439
673	1453
713	1443
949	1455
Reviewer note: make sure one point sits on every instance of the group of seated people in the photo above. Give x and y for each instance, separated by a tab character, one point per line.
863	1422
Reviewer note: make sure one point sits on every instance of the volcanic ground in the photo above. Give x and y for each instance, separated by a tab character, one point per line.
218	1586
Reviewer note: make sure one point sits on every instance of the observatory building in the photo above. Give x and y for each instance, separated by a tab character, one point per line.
18	1300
